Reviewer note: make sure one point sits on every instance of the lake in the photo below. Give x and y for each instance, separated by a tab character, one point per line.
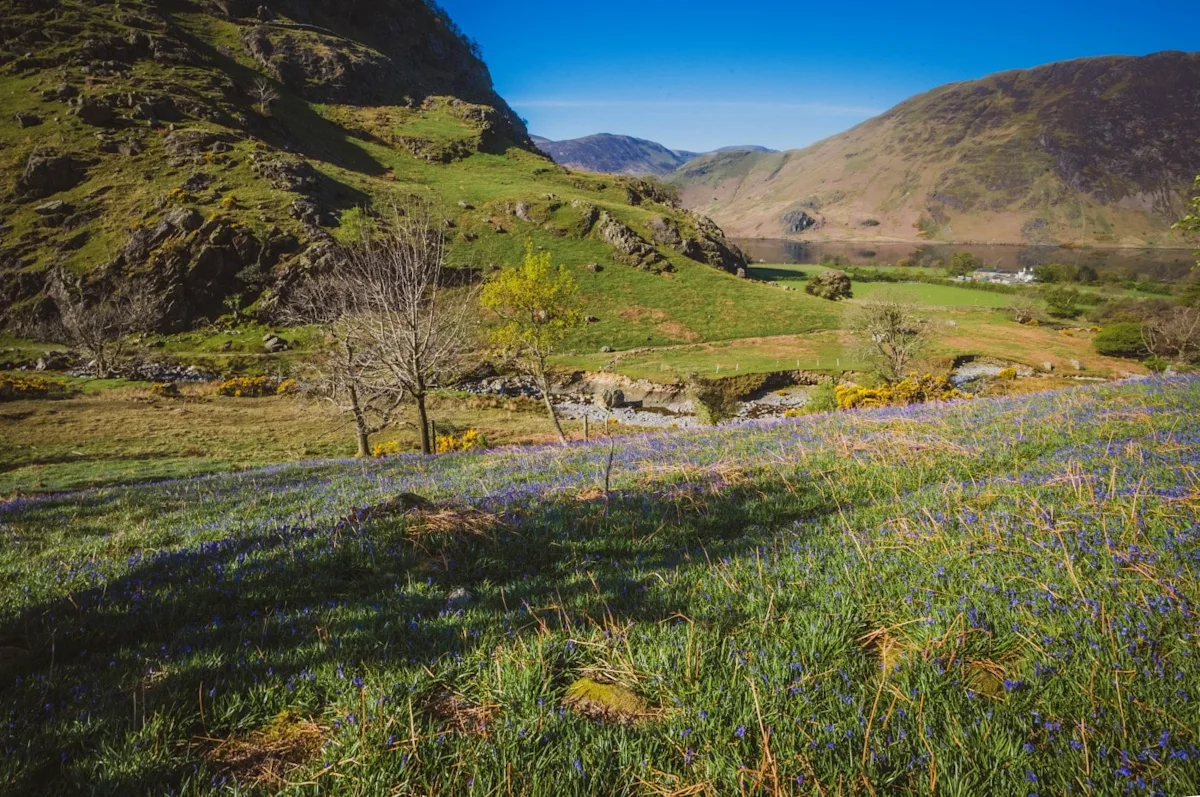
1156	264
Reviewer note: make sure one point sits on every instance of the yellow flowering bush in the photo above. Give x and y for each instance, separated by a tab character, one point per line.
164	390
255	387
13	387
389	449
470	440
1008	374
913	389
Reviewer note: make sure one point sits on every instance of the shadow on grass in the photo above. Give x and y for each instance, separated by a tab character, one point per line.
266	609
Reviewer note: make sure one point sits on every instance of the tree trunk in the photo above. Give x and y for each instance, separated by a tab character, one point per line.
545	385
361	433
423	421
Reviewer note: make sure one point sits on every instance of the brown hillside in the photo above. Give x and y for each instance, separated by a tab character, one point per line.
1099	151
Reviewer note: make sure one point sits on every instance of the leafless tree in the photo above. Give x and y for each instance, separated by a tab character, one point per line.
396	331
101	328
892	335
264	95
347	370
1174	334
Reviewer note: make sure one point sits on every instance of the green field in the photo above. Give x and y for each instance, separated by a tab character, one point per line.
984	597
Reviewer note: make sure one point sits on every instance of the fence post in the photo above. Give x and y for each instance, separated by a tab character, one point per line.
586	436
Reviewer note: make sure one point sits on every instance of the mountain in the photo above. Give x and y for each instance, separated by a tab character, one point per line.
1098	151
612	154
210	148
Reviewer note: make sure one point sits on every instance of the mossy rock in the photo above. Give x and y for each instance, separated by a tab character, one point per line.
608	703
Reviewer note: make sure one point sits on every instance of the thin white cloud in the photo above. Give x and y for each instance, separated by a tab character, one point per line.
815	108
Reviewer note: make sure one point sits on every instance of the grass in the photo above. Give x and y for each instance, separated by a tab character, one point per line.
118	433
993	596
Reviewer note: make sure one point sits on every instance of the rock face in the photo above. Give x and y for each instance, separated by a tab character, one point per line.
47	174
226	200
630	247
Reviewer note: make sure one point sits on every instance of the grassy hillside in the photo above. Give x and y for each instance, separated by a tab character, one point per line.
993	596
135	144
1098	151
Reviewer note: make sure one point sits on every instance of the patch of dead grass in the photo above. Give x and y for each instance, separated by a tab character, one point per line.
269	756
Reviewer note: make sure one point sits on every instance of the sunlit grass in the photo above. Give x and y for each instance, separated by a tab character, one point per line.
987	597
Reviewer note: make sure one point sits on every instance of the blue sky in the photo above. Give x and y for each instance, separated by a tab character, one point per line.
699	75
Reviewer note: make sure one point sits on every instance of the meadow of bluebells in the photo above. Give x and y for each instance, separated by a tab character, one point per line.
989	597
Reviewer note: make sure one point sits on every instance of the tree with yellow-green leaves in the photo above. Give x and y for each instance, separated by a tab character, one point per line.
538	308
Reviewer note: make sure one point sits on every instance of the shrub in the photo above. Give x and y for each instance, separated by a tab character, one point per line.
870	223
1156	365
1120	340
253	387
470	440
1064	302
1008	374
286	387
15	388
832	285
389	449
963	264
913	389
164	390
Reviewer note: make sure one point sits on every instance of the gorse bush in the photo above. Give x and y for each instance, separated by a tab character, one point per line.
389	449
1008	374
13	388
913	389
470	440
256	387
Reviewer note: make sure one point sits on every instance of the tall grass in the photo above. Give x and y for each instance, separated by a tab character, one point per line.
992	597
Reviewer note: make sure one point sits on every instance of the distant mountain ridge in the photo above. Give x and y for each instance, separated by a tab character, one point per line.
615	154
1098	151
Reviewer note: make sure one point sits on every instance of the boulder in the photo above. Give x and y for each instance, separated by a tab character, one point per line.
665	231
273	345
54	207
94	112
1048	367
1078	366
47	174
595	268
27	119
592	319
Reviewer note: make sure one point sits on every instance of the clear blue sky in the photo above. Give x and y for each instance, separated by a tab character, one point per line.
698	75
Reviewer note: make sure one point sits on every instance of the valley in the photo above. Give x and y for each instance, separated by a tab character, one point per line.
355	441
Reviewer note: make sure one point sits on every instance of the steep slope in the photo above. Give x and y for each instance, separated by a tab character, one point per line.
211	147
612	154
1096	151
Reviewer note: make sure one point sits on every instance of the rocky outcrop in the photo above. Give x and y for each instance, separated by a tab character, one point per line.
797	221
47	174
630	247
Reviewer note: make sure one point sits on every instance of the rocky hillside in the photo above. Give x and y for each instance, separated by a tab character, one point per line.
612	154
212	147
1098	151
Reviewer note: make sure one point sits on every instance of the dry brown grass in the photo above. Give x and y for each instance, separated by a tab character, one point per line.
461	714
267	757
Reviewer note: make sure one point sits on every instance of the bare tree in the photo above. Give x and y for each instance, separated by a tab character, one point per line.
1174	334
264	95
396	331
893	336
101	327
420	329
347	370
